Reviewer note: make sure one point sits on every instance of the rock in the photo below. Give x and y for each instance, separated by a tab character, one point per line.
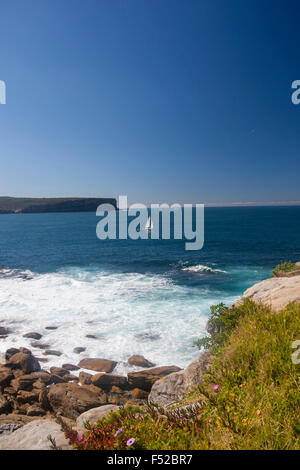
34	436
15	419
52	352
94	415
144	379
5	405
57	379
71	400
78	350
37	344
8	428
10	391
106	381
59	371
43	399
10	352
4	331
32	335
25	397
35	410
139	361
85	378
139	394
276	292
173	387
25	382
24	361
99	365
71	378
5	377
70	367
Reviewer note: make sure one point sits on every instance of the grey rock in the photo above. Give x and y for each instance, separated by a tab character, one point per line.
33	335
34	436
94	415
172	388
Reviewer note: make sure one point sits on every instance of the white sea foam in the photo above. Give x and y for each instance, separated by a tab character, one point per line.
129	313
201	268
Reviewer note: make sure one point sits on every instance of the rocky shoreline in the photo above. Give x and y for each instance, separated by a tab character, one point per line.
35	402
28	392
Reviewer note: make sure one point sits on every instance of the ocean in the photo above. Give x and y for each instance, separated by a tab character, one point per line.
149	297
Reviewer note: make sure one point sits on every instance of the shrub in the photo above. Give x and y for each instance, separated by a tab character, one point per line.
284	267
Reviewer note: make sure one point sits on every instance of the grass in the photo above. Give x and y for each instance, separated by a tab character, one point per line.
284	267
254	406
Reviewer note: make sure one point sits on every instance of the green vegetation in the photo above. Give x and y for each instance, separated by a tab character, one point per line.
284	267
249	400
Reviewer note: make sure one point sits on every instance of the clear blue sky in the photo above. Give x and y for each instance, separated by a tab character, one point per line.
162	100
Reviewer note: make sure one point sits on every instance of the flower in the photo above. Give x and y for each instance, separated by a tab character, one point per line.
130	442
215	387
118	432
80	437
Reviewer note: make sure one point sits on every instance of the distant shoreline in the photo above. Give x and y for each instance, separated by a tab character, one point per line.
12	205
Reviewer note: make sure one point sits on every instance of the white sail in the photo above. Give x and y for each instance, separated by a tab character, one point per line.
149	224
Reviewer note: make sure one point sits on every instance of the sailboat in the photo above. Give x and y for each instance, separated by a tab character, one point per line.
149	225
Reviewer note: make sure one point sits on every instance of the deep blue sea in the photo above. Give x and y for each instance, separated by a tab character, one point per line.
149	297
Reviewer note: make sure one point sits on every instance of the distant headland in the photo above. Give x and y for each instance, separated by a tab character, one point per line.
22	205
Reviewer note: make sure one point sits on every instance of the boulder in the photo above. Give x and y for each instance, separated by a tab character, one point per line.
144	379
139	361
78	350
24	361
37	344
173	387
34	436
276	292
94	415
70	367
71	399
59	371
33	335
98	365
52	352
85	378
106	381
4	331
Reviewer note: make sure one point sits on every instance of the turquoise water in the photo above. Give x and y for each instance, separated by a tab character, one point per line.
147	297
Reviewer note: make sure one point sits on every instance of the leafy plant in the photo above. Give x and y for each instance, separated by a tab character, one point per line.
284	267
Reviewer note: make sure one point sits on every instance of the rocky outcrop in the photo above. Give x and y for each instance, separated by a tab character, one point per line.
35	436
71	400
172	388
144	379
94	415
276	292
97	364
